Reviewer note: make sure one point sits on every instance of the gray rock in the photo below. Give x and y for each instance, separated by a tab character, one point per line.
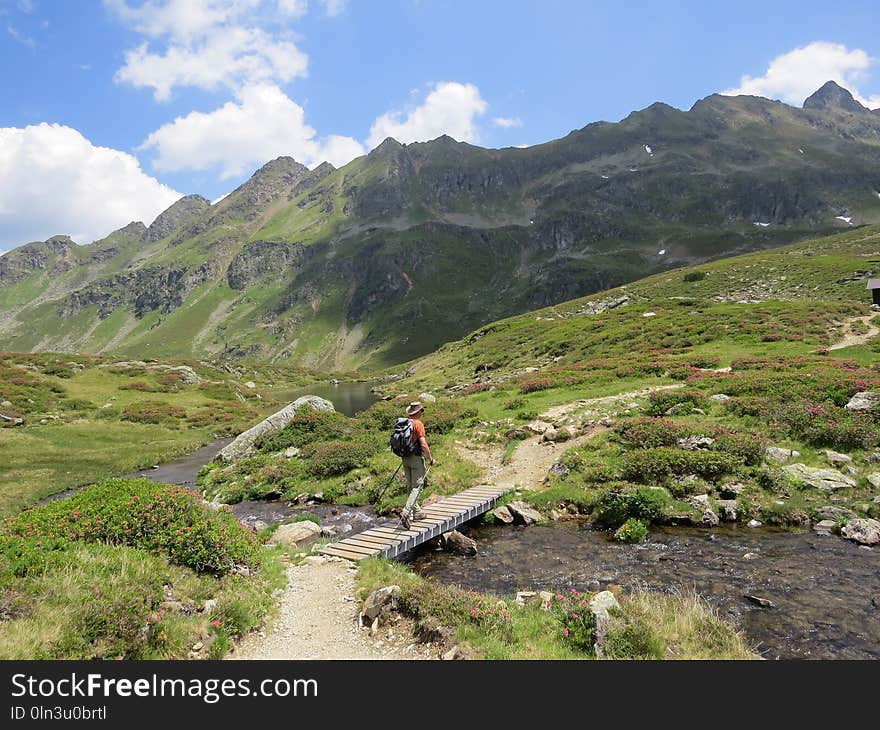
762	602
700	500
243	445
379	603
824	527
601	605
863	531
291	452
831	512
864	401
719	398
503	515
874	479
731	490
427	398
695	443
454	542
754	523
559	470
727	509
835	458
298	534
778	455
524	514
828	480
550	434
6	404
709	518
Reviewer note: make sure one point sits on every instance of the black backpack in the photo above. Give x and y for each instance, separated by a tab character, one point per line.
402	439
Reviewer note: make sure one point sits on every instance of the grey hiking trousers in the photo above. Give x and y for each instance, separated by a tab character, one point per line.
414	468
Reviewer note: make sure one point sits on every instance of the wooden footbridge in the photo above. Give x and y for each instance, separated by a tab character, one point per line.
392	540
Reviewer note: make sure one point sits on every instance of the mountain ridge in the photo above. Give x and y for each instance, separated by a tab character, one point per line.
412	245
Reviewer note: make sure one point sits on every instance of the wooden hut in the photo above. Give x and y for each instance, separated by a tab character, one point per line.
874	286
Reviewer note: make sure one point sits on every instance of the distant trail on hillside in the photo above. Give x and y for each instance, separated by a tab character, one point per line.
852	338
528	465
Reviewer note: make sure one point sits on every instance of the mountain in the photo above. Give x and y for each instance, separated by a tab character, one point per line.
414	245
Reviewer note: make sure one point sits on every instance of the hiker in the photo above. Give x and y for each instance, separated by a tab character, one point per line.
414	464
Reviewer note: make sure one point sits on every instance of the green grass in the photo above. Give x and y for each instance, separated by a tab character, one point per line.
77	430
674	626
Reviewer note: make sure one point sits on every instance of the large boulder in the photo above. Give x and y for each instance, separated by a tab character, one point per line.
695	442
297	534
778	455
864	400
862	531
243	445
379	603
503	515
454	542
828	480
524	514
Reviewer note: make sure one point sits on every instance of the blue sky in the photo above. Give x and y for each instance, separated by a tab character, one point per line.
113	108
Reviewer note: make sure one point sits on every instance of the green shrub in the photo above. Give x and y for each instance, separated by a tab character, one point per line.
333	458
632	637
660	401
576	619
624	501
514	404
136	512
310	426
654	466
153	412
694	276
632	530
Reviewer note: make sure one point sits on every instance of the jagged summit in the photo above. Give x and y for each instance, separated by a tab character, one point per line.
179	213
833	96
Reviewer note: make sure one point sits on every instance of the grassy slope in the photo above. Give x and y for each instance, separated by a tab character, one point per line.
798	294
77	430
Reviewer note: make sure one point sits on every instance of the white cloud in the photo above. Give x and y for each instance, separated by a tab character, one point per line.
263	123
20	37
293	8
53	180
210	44
795	75
451	108
26	6
334	7
507	122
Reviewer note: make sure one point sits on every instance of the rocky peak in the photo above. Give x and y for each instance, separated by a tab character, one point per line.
281	168
180	213
135	228
833	96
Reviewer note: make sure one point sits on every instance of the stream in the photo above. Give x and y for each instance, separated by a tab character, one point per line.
825	590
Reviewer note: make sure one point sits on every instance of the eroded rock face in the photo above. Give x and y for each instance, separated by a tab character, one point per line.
179	214
243	445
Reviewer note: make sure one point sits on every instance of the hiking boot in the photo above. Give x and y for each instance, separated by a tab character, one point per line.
405	518
418	513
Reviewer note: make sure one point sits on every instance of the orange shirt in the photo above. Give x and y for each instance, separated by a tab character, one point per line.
418	431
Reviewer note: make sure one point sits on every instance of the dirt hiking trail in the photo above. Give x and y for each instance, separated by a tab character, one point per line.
852	338
318	619
528	465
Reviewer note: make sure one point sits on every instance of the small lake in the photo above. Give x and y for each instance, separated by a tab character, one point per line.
348	398
825	590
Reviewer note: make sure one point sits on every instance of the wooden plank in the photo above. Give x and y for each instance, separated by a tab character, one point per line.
374	540
340	553
345	545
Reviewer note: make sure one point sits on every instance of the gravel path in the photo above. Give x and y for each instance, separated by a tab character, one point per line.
318	619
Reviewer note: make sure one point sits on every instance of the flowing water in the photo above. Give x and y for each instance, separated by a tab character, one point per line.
825	590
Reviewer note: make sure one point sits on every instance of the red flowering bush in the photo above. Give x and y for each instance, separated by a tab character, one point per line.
577	622
136	512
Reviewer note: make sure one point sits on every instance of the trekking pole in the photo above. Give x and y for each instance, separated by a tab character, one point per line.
388	484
